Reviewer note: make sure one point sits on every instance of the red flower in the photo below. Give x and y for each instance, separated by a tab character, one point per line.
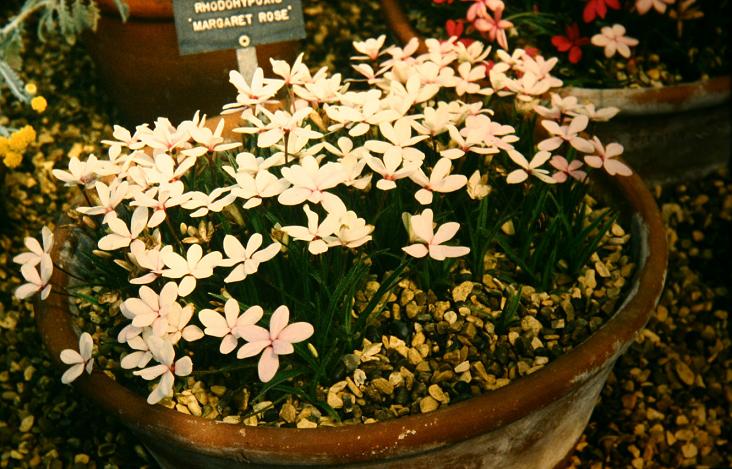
454	28
594	8
449	2
572	42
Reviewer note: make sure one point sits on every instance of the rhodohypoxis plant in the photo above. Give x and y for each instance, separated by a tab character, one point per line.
263	241
600	43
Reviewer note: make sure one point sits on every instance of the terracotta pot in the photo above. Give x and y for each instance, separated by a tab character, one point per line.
670	134
533	422
140	68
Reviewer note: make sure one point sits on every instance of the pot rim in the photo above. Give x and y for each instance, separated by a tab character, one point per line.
685	96
139	9
406	435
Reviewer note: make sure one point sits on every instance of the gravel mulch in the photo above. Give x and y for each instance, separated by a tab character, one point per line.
667	403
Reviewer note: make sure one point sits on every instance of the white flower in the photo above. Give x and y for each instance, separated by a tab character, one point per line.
429	242
271	343
389	169
297	74
195	266
210	141
246	260
440	180
318	236
80	361
160	199
151	309
124	139
109	197
566	133
148	259
121	236
163	352
478	187
202	203
85	173
164	171
321	89
560	105
165	136
310	181
228	326
533	168
37	282
434	121
254	189
259	91
35	251
178	327
600	115
613	39
468	76
605	157
353	231
141	355
370	48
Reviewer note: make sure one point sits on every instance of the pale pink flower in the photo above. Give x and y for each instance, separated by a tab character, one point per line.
80	361
121	236
566	133
527	168
440	180
271	343
567	169
613	39
151	309
246	260
399	141
310	181
494	27
429	242
164	354
35	251
195	266
600	115
606	158
228	327
85	173
318	235
559	106
659	5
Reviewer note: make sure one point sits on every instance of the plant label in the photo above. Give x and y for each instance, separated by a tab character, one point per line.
205	26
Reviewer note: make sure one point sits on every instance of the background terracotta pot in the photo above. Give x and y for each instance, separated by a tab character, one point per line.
145	77
531	423
669	134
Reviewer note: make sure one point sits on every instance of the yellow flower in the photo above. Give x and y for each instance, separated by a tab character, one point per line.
12	159
31	88
4	145
21	138
39	104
